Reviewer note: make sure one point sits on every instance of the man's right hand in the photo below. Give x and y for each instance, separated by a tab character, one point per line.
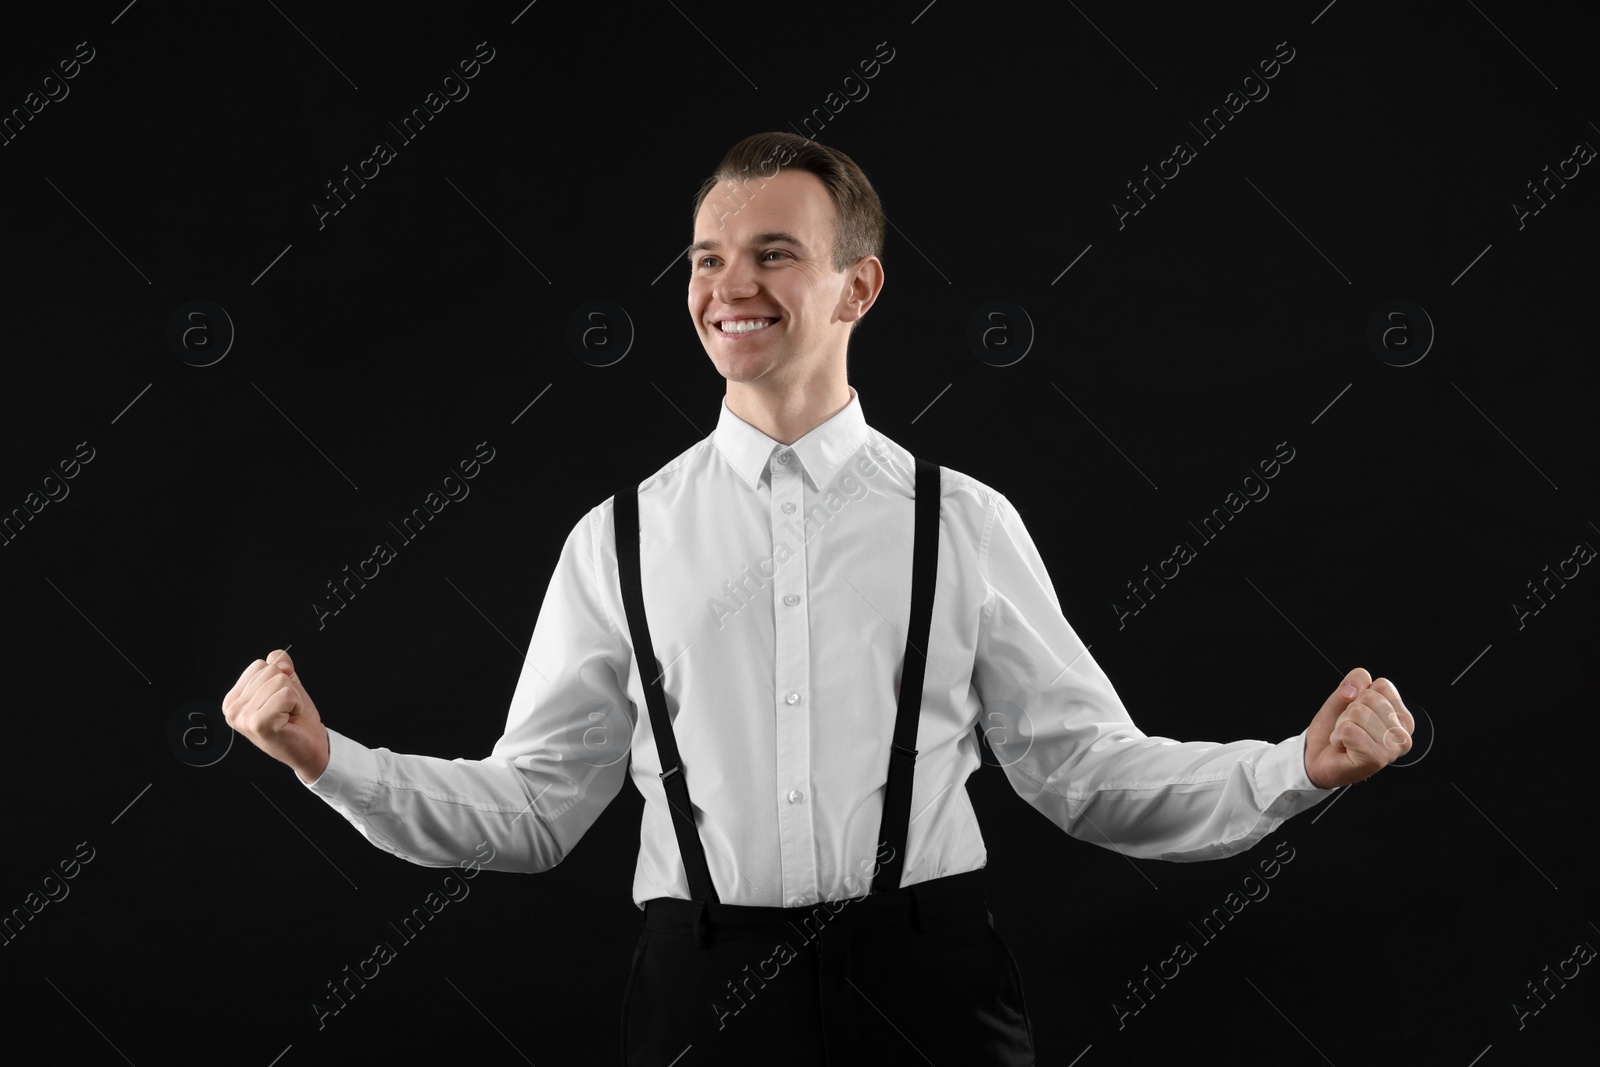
271	708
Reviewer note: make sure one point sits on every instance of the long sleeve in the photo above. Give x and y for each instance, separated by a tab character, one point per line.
560	761
1071	750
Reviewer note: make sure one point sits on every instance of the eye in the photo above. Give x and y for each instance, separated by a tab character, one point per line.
703	260
773	252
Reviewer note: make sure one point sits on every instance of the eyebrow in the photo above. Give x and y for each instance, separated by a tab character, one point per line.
772	237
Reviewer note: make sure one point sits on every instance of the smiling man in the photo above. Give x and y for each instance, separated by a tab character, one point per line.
810	868
775	306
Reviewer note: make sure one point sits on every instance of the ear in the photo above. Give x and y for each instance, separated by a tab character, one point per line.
863	283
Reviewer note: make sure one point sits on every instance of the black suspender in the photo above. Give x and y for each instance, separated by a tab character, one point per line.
902	754
625	515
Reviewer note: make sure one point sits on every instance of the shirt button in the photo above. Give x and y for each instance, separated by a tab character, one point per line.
792	698
788	508
795	796
783	457
790	598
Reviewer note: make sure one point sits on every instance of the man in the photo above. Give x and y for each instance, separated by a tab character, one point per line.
813	620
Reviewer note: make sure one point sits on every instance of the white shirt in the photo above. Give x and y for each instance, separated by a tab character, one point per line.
777	585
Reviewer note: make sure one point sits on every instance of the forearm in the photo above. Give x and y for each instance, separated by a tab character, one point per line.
440	813
1154	799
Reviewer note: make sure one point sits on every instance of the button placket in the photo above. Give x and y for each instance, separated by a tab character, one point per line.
792	681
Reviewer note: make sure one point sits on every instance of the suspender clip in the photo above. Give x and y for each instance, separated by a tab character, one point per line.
900	751
664	775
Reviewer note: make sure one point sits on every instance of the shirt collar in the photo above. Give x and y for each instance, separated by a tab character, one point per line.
822	450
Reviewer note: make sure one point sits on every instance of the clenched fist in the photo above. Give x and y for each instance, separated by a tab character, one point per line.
271	708
1361	729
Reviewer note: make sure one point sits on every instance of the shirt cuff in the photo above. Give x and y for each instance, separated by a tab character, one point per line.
351	776
1281	780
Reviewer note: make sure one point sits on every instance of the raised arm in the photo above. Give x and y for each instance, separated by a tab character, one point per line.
1072	751
560	761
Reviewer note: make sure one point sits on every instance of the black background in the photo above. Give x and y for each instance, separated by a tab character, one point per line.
1224	318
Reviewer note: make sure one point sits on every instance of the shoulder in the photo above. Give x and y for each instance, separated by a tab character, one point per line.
966	491
670	477
963	499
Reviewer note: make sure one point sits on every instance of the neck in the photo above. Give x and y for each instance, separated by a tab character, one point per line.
789	413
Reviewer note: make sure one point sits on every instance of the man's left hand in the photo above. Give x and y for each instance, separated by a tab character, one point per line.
1354	736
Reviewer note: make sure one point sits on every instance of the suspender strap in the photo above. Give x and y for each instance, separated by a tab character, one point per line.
903	753
625	517
896	819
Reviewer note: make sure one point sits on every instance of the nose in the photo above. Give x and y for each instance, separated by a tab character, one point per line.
735	281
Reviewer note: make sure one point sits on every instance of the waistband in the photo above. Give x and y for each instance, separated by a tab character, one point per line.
923	906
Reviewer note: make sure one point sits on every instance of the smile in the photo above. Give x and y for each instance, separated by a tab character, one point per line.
737	326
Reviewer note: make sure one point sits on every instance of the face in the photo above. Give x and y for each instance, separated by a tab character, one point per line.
765	299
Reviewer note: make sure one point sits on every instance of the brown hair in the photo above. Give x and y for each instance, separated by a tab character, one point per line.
858	216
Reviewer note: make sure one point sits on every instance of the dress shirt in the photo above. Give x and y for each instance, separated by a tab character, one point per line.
777	585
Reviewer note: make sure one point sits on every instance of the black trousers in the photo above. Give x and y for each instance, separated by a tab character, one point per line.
916	976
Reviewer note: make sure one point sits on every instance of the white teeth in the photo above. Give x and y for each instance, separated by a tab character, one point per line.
743	325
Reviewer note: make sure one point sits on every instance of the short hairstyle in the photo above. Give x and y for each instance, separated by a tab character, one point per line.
858	216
